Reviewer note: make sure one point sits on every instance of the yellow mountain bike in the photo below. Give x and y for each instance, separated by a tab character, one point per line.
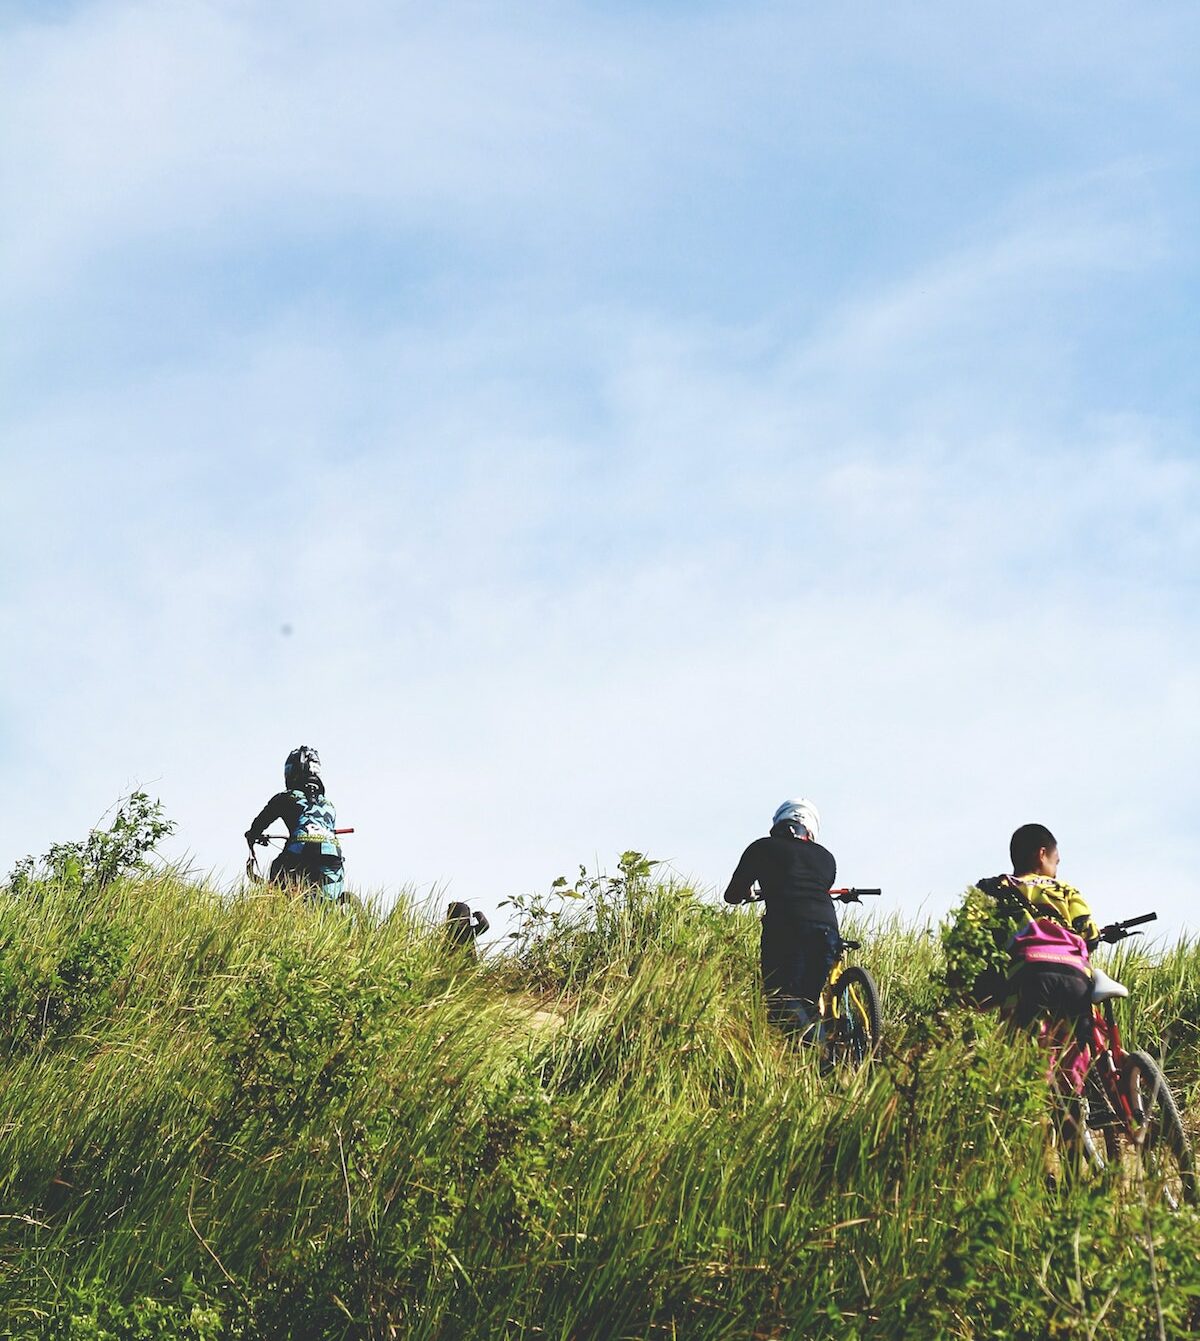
851	1022
848	1026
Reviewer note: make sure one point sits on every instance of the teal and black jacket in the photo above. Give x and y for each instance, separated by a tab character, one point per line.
312	851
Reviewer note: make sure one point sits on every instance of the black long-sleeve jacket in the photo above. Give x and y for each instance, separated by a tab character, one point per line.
794	874
283	805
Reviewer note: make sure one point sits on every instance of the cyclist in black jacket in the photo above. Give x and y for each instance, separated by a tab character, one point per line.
800	938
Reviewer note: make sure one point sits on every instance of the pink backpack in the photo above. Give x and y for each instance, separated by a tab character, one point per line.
1042	941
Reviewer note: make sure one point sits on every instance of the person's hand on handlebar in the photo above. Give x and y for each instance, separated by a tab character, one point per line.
1119	931
853	895
1111	935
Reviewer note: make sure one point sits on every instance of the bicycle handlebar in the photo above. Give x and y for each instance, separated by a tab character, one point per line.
853	895
265	838
842	895
1118	931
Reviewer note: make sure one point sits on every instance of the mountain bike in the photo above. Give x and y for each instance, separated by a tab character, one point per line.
1127	1119
849	1003
849	1021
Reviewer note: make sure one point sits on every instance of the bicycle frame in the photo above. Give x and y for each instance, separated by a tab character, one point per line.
827	1002
1108	1055
1102	1036
849	1011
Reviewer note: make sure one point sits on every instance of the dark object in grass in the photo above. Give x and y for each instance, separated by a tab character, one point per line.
463	927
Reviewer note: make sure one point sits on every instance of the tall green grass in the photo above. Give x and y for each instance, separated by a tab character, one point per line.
237	1116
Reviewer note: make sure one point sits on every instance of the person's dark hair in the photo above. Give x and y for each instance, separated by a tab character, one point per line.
1026	843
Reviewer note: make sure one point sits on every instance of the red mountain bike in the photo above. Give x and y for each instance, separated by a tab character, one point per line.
1128	1120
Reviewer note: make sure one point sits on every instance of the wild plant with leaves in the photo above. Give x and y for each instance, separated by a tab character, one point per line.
976	940
125	846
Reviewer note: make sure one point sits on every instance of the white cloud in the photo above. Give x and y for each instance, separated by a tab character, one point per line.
569	570
132	124
514	658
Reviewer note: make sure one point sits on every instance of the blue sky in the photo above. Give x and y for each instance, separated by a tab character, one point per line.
638	414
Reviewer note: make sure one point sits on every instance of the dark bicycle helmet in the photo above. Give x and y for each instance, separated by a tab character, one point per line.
302	765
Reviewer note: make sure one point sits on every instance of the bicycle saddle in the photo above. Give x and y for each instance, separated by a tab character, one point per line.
1105	988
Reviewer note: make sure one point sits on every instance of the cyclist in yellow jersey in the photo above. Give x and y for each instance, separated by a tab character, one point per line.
1050	974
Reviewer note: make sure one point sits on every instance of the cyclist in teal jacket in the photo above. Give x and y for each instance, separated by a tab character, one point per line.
312	856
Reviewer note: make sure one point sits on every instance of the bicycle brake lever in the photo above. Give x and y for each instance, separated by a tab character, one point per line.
1120	934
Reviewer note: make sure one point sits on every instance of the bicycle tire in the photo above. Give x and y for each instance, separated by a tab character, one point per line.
856	1039
1157	1135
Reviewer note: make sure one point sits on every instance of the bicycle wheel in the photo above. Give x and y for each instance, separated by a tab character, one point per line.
1087	1130
1099	1123
1156	1133
856	1002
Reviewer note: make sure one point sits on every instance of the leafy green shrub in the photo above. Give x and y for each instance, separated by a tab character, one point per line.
295	1037
91	1312
975	941
521	1142
102	857
598	922
46	991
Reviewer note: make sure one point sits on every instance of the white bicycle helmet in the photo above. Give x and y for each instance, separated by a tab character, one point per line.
800	815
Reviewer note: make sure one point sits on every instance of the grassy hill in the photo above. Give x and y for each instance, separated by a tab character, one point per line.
237	1116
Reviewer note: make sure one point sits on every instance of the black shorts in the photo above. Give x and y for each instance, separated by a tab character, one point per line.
1051	991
